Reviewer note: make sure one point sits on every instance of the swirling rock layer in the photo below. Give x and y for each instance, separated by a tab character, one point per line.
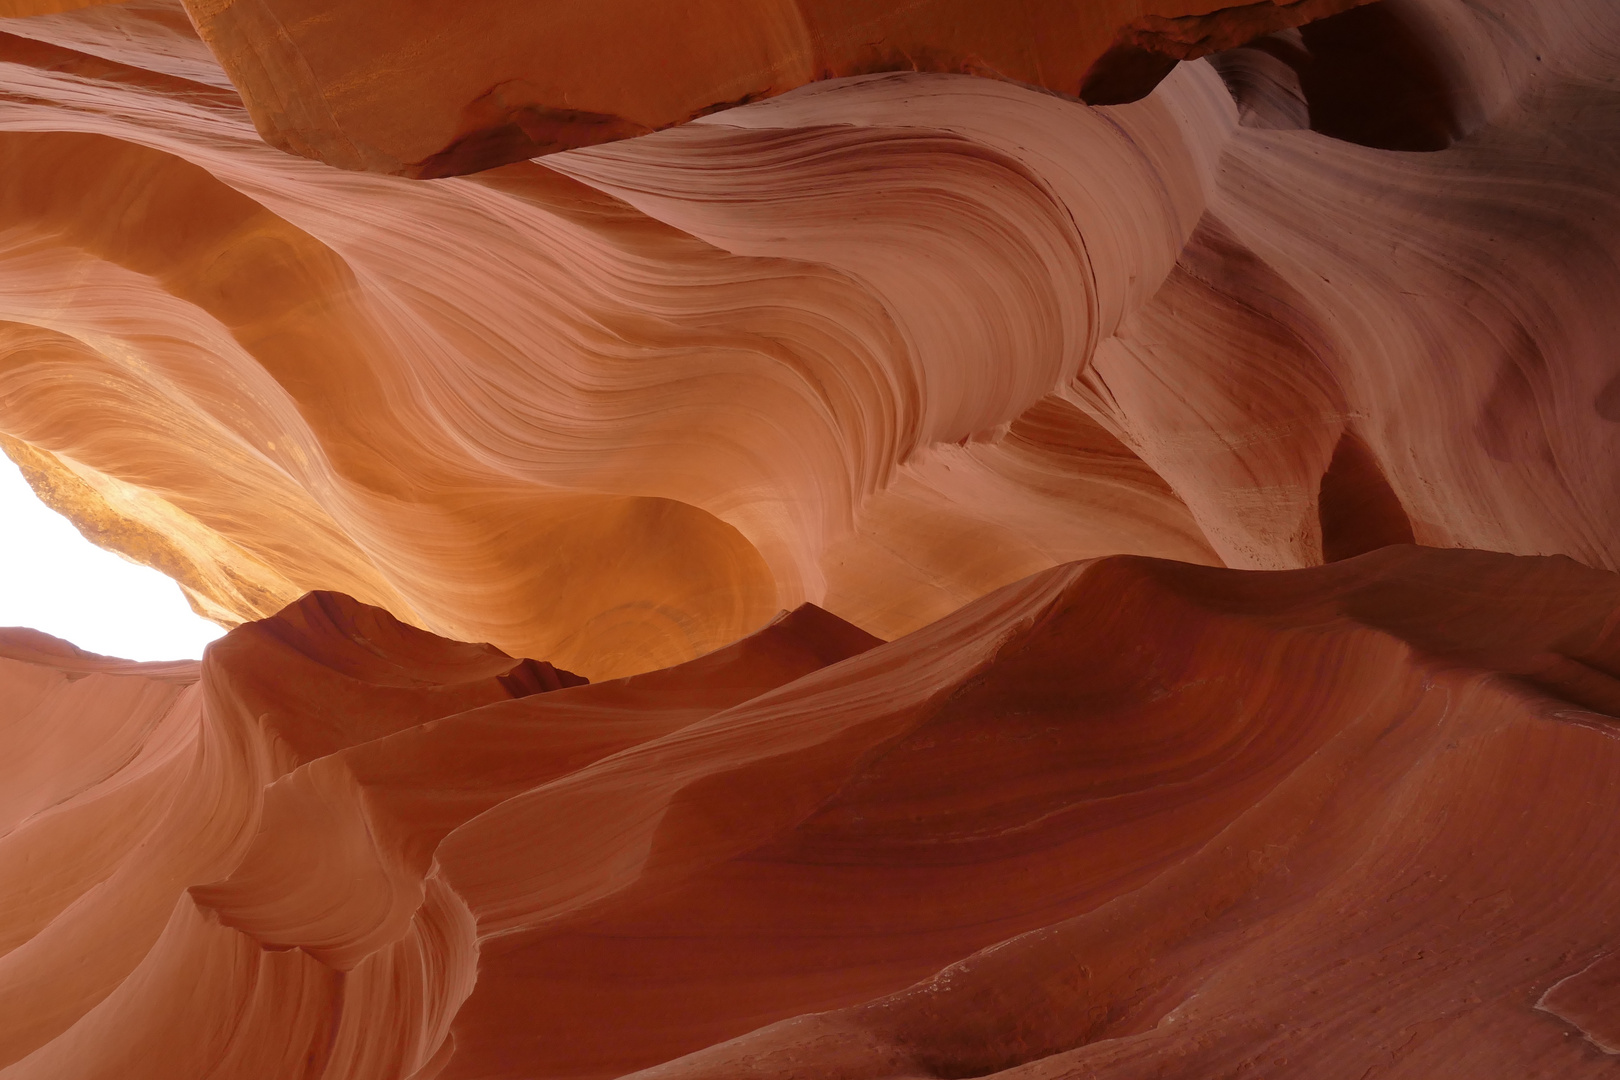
882	343
1127	817
984	525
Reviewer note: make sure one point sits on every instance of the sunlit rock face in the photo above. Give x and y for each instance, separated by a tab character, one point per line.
883	343
984	554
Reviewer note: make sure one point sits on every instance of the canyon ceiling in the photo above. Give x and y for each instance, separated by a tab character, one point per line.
1056	538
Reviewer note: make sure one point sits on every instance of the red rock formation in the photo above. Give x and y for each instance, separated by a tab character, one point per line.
1120	422
1122	816
882	344
490	82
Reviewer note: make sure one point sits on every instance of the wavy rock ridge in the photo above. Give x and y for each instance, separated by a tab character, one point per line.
882	344
985	526
1123	818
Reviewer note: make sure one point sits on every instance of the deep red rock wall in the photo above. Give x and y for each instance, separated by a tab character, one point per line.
1123	816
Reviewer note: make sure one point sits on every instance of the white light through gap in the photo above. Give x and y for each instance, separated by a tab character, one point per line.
55	580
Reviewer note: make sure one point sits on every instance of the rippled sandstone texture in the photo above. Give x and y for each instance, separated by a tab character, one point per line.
882	343
986	522
1127	817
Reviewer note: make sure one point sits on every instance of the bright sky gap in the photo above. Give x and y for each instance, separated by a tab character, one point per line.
57	581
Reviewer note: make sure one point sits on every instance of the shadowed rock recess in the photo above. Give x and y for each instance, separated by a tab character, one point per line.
1058	540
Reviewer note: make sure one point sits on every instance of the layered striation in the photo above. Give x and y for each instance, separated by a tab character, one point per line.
1123	817
997	559
883	343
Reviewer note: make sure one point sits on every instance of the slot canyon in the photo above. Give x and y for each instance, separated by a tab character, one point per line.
819	539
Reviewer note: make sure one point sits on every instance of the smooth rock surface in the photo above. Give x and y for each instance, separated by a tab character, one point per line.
882	344
1126	817
1015	587
491	82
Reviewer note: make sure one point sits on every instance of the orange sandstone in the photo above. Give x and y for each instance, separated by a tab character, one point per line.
881	344
986	522
494	81
1122	816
